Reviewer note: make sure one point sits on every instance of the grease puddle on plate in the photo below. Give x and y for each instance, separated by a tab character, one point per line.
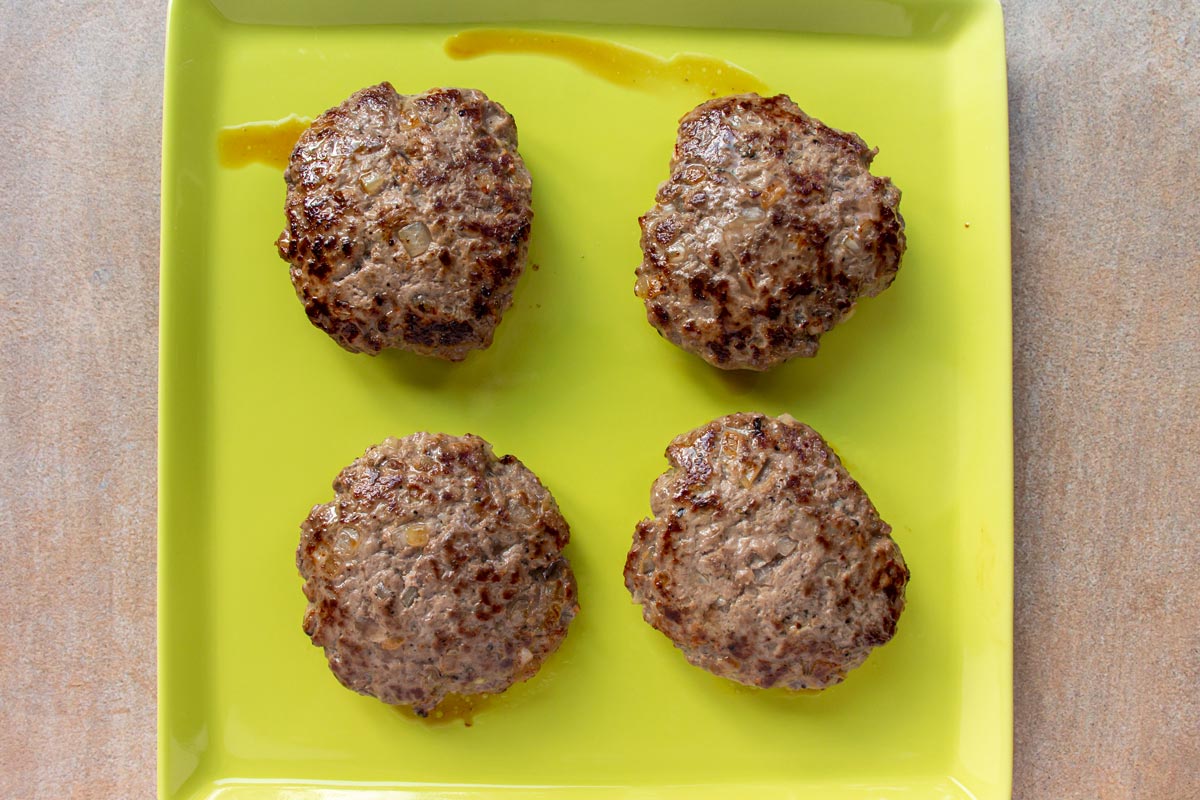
267	143
624	66
271	143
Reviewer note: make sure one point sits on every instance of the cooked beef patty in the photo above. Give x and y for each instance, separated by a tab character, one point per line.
408	220
765	562
766	234
436	568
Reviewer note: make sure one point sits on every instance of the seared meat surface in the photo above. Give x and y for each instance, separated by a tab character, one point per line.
768	231
408	220
765	562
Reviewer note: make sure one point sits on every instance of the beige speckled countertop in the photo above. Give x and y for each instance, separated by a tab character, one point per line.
1105	125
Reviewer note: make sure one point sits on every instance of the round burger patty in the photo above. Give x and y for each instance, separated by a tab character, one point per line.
768	231
765	562
408	220
437	568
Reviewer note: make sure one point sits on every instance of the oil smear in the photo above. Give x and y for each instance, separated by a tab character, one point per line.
618	64
454	708
269	143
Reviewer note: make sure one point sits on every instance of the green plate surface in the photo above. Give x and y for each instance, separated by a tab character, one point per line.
259	411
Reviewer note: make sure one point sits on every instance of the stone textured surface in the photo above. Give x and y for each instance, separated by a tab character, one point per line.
1105	105
1105	126
80	90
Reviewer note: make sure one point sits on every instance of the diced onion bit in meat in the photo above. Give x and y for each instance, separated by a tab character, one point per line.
750	473
416	535
371	182
772	194
415	238
346	542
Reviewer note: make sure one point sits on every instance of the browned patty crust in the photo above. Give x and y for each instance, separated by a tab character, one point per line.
408	220
765	562
768	231
437	568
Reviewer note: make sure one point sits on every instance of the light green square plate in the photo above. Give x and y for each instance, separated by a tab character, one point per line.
259	410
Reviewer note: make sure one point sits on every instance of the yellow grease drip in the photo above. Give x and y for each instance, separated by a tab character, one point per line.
453	708
267	143
624	66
